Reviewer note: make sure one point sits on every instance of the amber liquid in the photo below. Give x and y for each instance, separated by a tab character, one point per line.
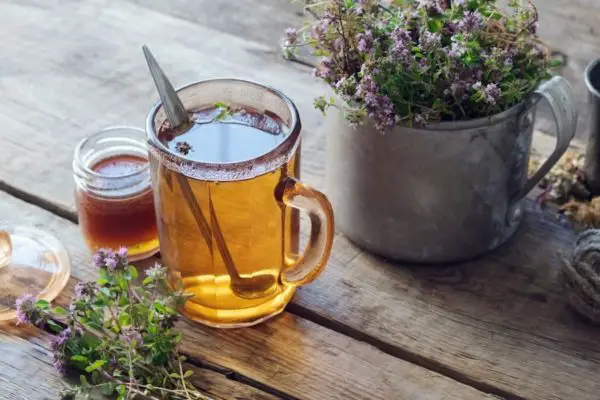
128	220
260	233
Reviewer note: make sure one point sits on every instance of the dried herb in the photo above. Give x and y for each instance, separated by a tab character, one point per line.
121	335
183	148
420	61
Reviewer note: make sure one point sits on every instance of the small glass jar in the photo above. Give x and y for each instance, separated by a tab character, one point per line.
113	192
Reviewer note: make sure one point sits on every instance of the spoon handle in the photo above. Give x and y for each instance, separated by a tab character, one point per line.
176	113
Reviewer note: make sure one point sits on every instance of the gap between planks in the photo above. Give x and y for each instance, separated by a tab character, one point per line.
299	311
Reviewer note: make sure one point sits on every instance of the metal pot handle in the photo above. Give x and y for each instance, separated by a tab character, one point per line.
557	91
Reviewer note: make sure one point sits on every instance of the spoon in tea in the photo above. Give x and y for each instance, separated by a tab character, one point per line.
178	117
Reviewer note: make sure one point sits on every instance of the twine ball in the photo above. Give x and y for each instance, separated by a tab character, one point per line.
581	276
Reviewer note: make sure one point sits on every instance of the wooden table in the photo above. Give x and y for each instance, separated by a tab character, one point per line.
368	328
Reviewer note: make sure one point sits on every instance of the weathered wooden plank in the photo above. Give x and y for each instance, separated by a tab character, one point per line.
289	354
261	21
72	68
26	355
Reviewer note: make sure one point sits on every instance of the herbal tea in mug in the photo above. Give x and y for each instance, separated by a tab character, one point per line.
227	199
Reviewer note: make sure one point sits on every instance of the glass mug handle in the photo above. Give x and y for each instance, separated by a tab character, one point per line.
293	193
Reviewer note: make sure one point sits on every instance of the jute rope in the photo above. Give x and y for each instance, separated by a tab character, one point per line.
581	275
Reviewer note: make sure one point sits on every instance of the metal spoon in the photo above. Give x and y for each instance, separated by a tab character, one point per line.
253	287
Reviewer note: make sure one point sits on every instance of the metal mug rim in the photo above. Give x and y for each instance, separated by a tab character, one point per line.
588	70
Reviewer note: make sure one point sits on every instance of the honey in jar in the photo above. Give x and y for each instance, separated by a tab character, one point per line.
113	192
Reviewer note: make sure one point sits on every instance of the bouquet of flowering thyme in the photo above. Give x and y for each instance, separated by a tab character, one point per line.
420	61
119	333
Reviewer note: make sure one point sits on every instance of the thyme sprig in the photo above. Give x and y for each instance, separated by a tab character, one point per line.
118	333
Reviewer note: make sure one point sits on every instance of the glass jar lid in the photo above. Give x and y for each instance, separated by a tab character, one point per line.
31	262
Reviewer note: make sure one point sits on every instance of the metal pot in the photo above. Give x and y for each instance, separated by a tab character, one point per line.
447	192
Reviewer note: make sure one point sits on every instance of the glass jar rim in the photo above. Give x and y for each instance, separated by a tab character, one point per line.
286	147
78	165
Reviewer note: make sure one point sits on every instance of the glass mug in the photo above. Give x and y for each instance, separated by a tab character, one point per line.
229	230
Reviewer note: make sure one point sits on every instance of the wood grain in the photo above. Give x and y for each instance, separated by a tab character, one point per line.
294	357
26	353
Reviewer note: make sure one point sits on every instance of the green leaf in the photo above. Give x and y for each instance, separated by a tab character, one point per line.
95	377
148	280
84	381
59	311
122	283
175	375
54	327
80	358
107	389
435	25
171	311
555	63
132	271
123	301
188	373
105	291
159	307
43	304
95	365
124	319
102	281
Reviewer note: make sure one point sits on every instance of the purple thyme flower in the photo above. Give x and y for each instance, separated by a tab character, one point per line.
318	30
110	263
430	41
423	65
432	6
337	45
491	94
365	41
130	335
156	272
61	339
60	366
122	255
401	46
97	259
324	70
477	86
538	50
100	257
457	48
291	36
106	258
457	89
472	21
84	291
379	107
25	309
80	289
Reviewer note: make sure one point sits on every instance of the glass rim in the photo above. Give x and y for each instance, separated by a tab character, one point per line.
79	166
285	147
